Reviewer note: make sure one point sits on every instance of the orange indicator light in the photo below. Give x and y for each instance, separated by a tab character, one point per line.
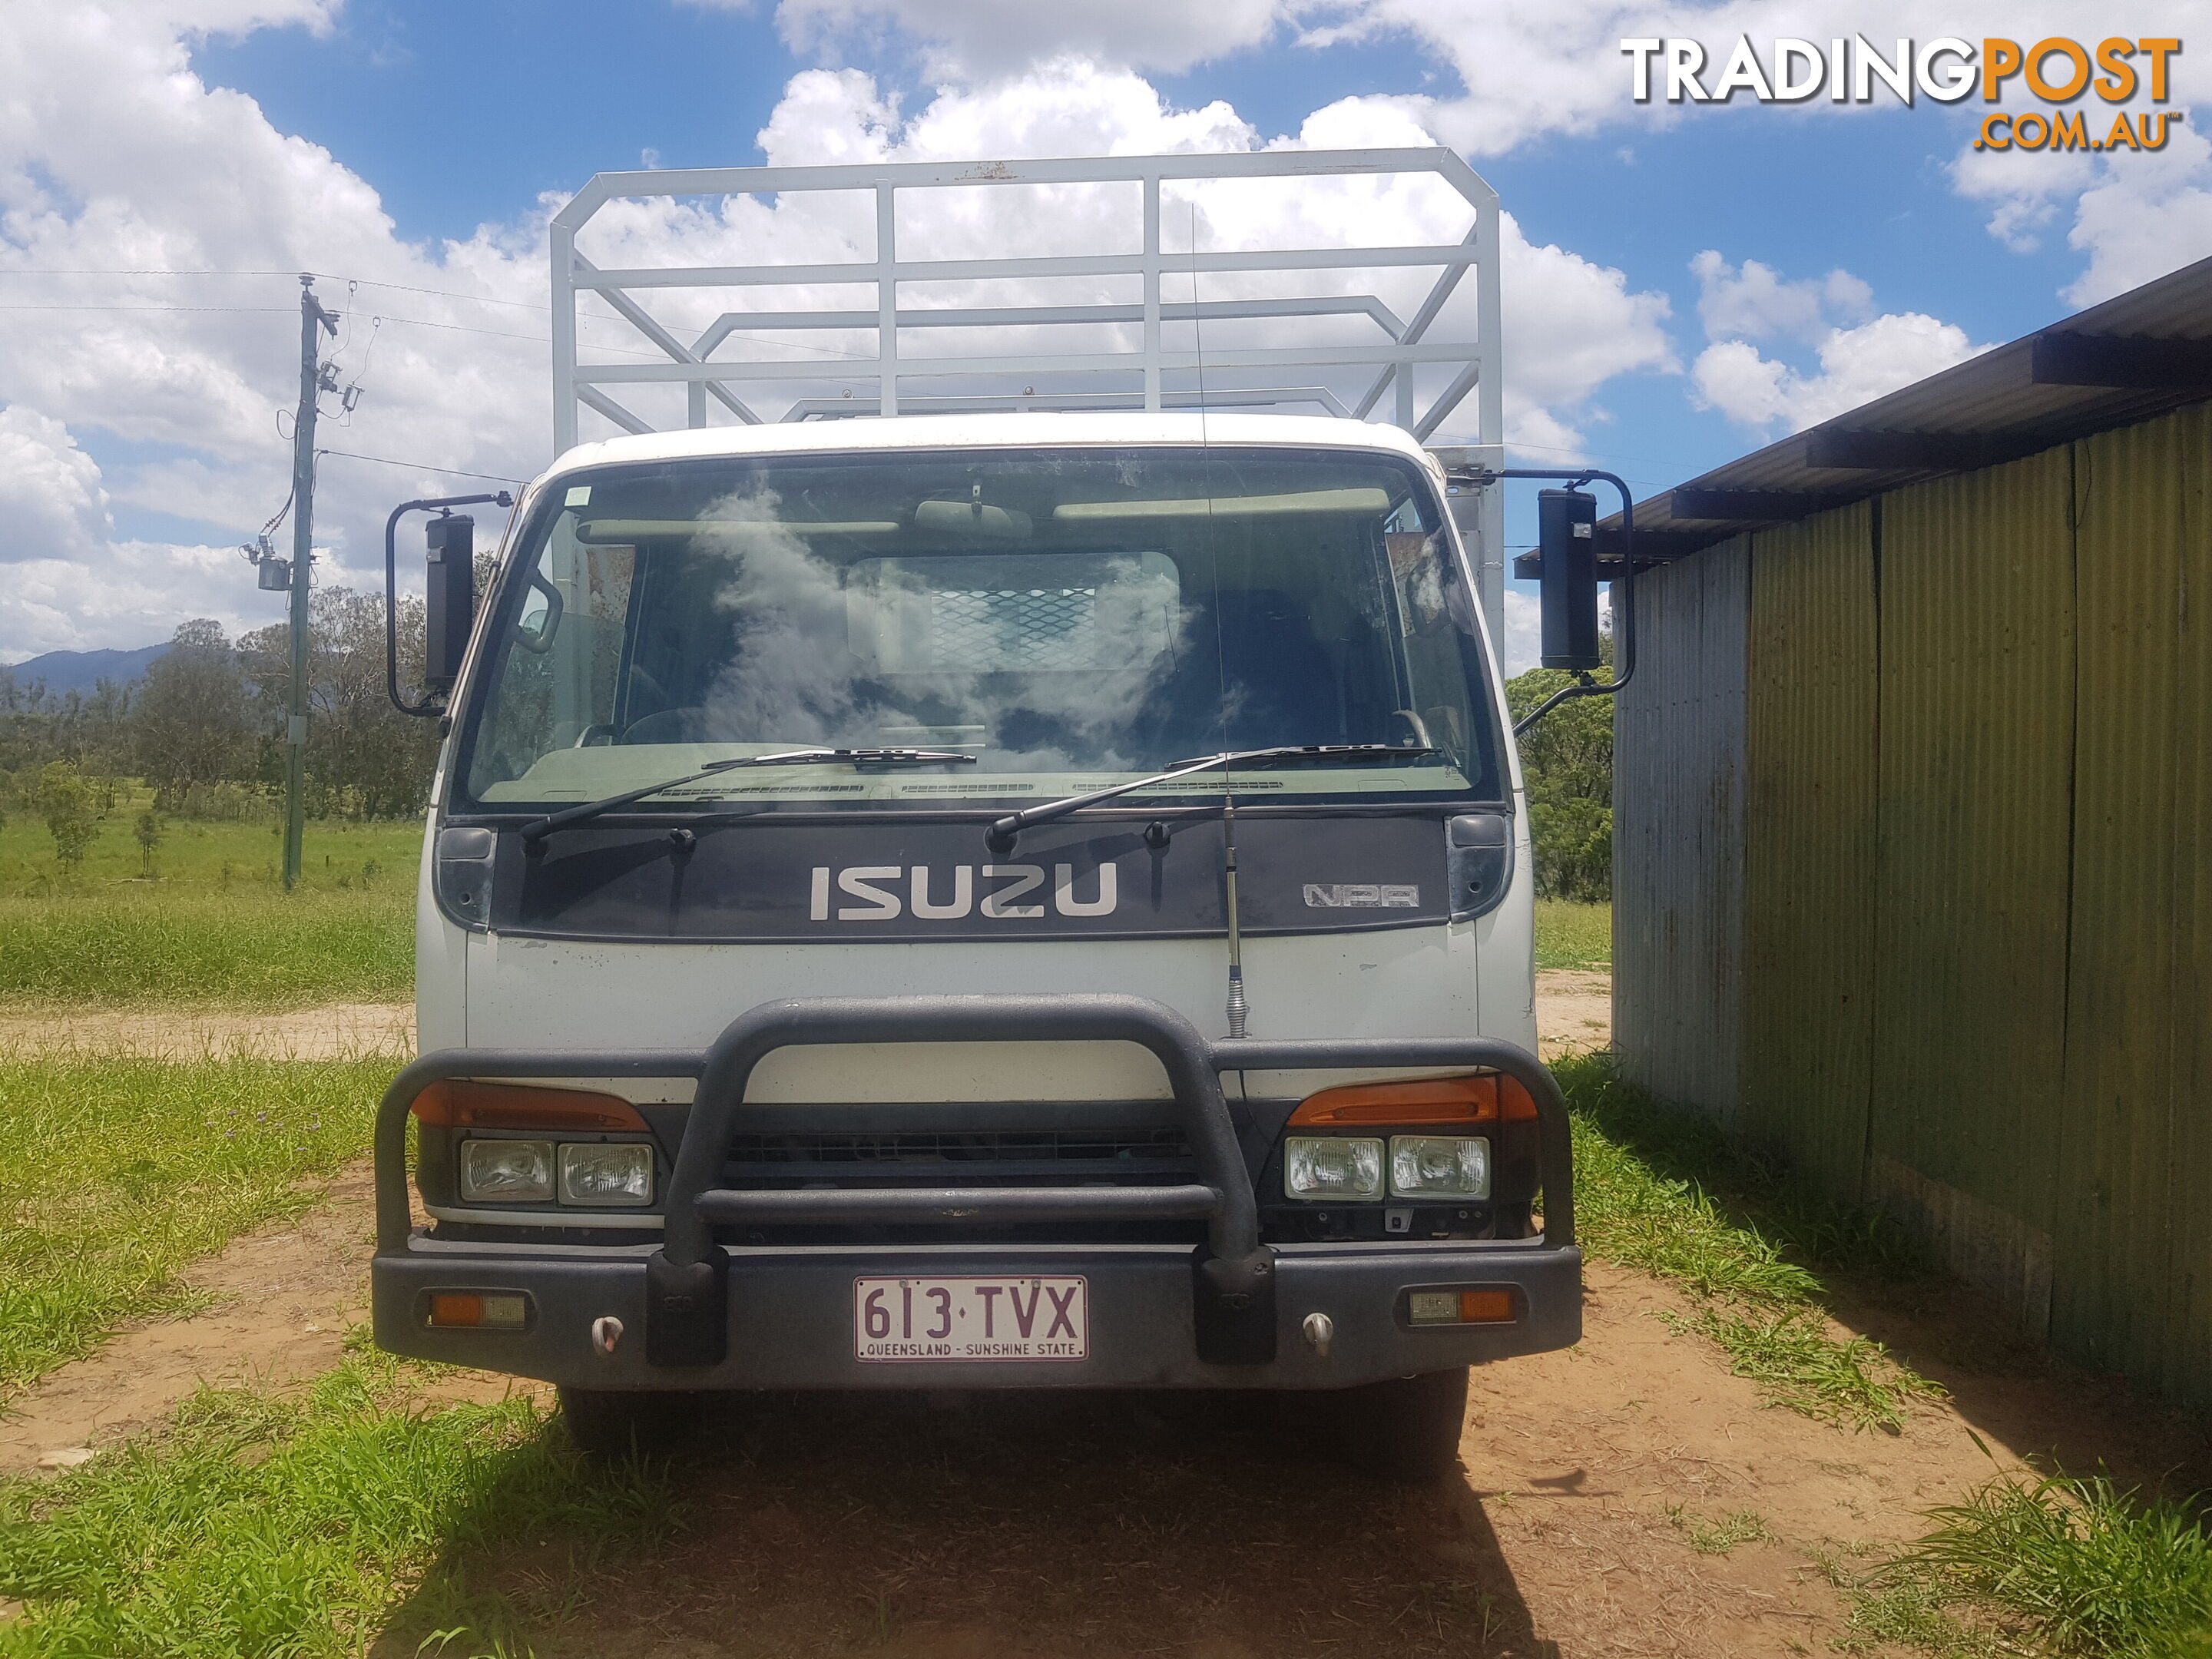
1482	1099
473	1310
1490	1306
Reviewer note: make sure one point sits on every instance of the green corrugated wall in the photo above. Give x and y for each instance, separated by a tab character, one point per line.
1813	697
1977	879
2133	1188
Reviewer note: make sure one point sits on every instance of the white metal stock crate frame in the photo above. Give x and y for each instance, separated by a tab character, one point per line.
1395	350
1400	347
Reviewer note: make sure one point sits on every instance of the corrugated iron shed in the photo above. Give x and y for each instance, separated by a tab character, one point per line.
1913	809
2134	356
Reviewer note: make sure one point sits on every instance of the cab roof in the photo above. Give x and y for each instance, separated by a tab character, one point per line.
1041	428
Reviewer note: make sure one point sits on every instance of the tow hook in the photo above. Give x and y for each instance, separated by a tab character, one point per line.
607	1334
1320	1331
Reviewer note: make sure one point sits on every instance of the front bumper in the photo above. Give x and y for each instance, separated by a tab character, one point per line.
695	1313
790	1315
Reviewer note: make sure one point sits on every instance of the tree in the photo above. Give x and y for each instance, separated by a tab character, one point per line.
365	759
66	799
192	720
1566	762
148	830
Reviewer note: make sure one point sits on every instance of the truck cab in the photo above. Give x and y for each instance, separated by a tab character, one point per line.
980	900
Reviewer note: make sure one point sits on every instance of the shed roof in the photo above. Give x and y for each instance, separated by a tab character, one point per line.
2136	355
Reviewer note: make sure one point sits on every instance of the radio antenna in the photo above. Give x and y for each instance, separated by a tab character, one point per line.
1236	1007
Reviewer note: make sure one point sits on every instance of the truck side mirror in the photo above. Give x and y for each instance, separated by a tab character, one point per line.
452	605
1566	543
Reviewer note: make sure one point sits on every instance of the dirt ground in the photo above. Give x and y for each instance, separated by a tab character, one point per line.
1574	1009
965	1526
336	1032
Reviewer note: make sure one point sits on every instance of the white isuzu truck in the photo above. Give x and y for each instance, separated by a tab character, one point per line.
1029	892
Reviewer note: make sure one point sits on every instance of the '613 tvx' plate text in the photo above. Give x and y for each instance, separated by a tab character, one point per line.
970	1318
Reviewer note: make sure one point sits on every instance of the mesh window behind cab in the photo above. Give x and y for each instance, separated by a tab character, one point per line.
1014	613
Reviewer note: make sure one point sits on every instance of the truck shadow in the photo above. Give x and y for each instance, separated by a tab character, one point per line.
962	1527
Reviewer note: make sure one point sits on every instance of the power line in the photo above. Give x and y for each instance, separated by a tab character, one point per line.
422	466
35	270
240	311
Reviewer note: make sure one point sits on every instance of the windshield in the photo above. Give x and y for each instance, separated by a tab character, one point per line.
1071	618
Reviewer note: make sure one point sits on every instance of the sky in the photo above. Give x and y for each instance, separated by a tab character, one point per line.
1681	283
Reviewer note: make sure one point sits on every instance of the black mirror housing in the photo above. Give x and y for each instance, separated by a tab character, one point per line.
1566	542
452	605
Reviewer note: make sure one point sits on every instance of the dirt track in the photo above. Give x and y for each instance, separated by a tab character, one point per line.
335	1032
932	1526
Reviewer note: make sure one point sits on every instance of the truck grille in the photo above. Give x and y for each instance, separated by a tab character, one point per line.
1012	1158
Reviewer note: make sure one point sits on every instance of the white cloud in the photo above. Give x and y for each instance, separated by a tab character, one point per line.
1529	72
115	156
50	498
1755	303
994	37
1857	366
1858	363
2136	216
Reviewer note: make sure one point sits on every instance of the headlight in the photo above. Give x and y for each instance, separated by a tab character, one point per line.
1326	1166
616	1173
1439	1166
511	1171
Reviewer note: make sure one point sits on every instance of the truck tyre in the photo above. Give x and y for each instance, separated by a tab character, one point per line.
1408	1428
629	1423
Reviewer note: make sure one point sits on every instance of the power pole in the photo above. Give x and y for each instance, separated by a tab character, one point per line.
311	316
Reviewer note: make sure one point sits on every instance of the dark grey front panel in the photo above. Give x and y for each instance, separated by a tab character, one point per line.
768	882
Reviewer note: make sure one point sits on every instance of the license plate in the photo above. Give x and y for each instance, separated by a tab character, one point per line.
982	1318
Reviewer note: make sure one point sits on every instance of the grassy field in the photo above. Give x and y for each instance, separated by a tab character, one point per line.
115	1174
215	929
308	1524
1572	935
211	855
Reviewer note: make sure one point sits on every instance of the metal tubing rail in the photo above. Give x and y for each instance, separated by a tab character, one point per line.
1182	1202
1392	360
1193	1064
1233	1224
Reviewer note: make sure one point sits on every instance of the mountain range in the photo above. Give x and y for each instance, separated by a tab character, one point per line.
65	672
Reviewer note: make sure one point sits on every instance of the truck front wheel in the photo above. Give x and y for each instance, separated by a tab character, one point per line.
629	1423
1407	1428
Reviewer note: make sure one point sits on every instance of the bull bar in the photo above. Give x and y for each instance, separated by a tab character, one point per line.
1233	1278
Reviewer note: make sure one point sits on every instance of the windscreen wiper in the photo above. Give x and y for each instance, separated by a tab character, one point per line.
1003	833
538	829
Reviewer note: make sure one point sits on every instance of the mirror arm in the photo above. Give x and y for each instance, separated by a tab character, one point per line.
1624	584
429	705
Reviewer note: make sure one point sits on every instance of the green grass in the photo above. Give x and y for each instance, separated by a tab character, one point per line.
248	949
216	929
208	854
1717	1535
116	1172
1573	935
307	1524
2075	1564
1668	1193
